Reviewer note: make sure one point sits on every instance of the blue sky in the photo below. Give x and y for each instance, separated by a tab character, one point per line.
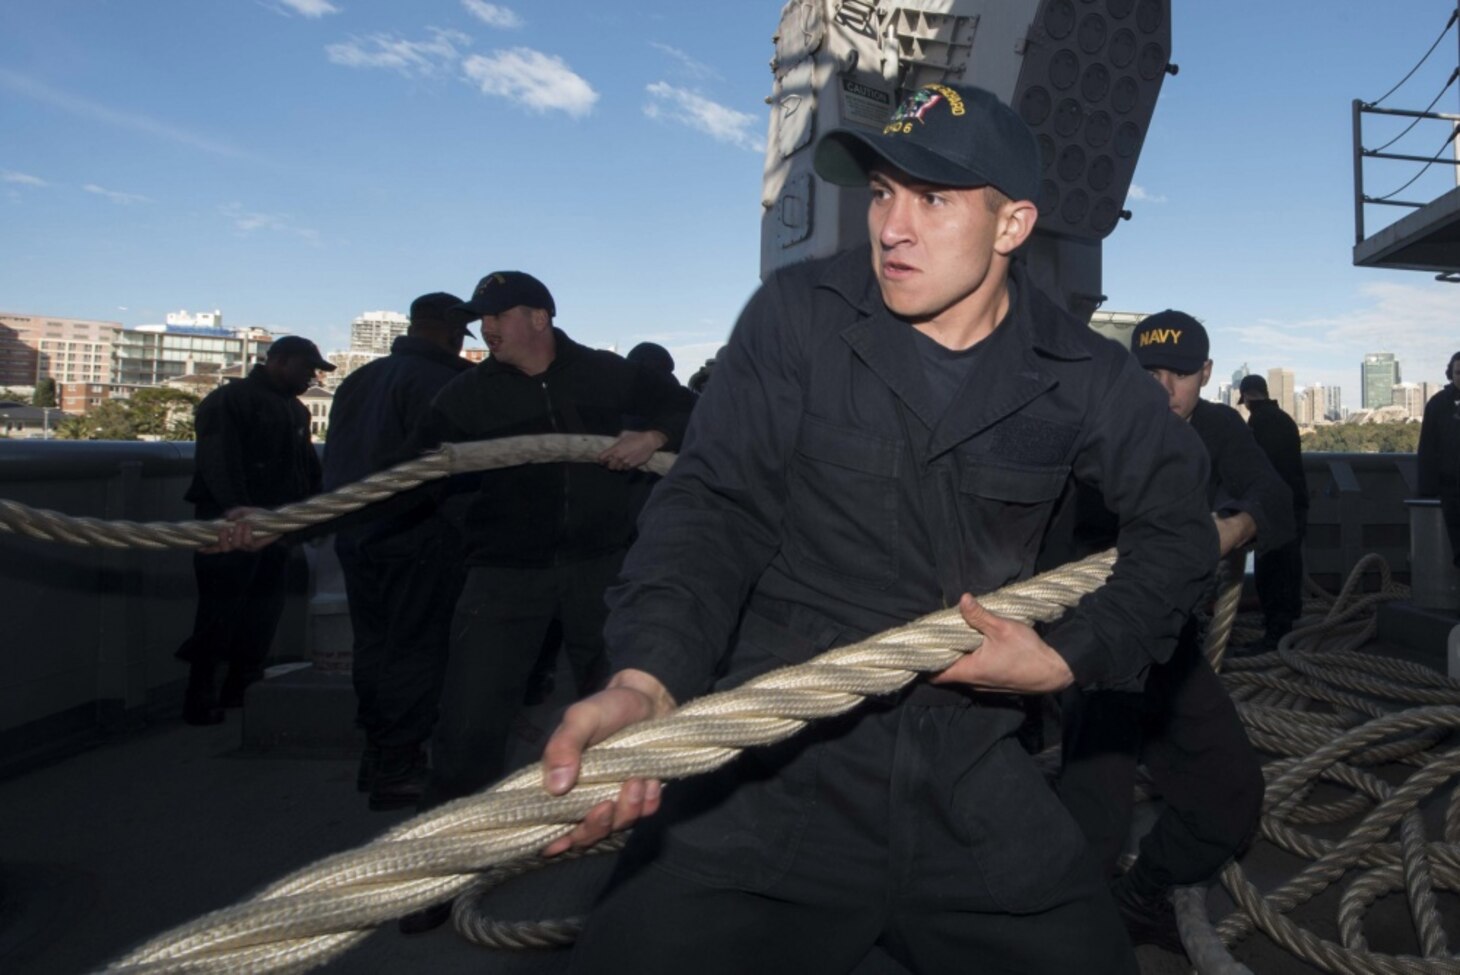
298	162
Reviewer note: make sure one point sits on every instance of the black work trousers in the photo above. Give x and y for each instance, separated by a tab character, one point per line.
1278	577
1450	510
496	635
1185	729
240	600
901	827
402	592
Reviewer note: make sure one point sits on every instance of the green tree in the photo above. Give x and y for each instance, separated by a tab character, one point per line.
45	392
111	420
71	428
1363	438
161	412
8	395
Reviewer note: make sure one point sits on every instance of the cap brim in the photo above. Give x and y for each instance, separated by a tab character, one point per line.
847	157
324	366
1171	362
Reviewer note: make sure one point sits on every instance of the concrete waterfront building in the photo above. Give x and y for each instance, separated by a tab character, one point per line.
1379	374
68	350
150	355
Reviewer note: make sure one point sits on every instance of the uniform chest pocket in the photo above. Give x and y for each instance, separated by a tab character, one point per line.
1010	505
842	504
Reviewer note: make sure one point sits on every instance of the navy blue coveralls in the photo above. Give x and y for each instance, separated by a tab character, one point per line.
1182	724
542	541
253	450
403	573
818	500
1439	459
1278	570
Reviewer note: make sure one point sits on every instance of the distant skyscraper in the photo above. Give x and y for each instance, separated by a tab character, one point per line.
1280	386
1240	374
1224	393
1310	406
374	331
1333	402
1414	396
1380	376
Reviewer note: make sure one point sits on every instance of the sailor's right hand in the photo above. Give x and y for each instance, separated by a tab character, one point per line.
630	697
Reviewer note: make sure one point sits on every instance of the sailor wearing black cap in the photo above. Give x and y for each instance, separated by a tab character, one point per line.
1181	725
253	451
1277	573
403	572
1439	452
887	431
541	541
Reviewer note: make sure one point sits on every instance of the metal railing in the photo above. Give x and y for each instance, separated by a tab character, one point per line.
1361	198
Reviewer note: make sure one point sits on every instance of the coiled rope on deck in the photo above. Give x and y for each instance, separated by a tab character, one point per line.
1329	712
319	912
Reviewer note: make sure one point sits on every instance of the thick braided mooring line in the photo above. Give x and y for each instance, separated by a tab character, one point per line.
458	458
320	911
1318	666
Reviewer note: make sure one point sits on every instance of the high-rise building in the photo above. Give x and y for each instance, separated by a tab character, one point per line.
374	331
1380	374
1280	387
1310	406
1333	403
1240	374
1413	397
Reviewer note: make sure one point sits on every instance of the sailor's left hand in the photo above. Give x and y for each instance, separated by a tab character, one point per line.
1012	658
238	535
632	449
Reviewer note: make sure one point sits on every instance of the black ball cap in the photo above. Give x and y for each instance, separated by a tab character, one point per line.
945	135
502	290
1171	340
1250	385
298	345
441	308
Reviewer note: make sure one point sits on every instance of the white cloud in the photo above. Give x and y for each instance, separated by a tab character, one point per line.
116	196
313	9
21	179
724	124
247	221
696	69
410	58
1416	322
539	82
1140	193
492	14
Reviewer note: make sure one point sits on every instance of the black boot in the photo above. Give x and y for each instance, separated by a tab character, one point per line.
235	682
1147	912
400	778
200	704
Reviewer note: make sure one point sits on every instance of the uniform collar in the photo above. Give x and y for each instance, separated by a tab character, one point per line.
1006	375
565	350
